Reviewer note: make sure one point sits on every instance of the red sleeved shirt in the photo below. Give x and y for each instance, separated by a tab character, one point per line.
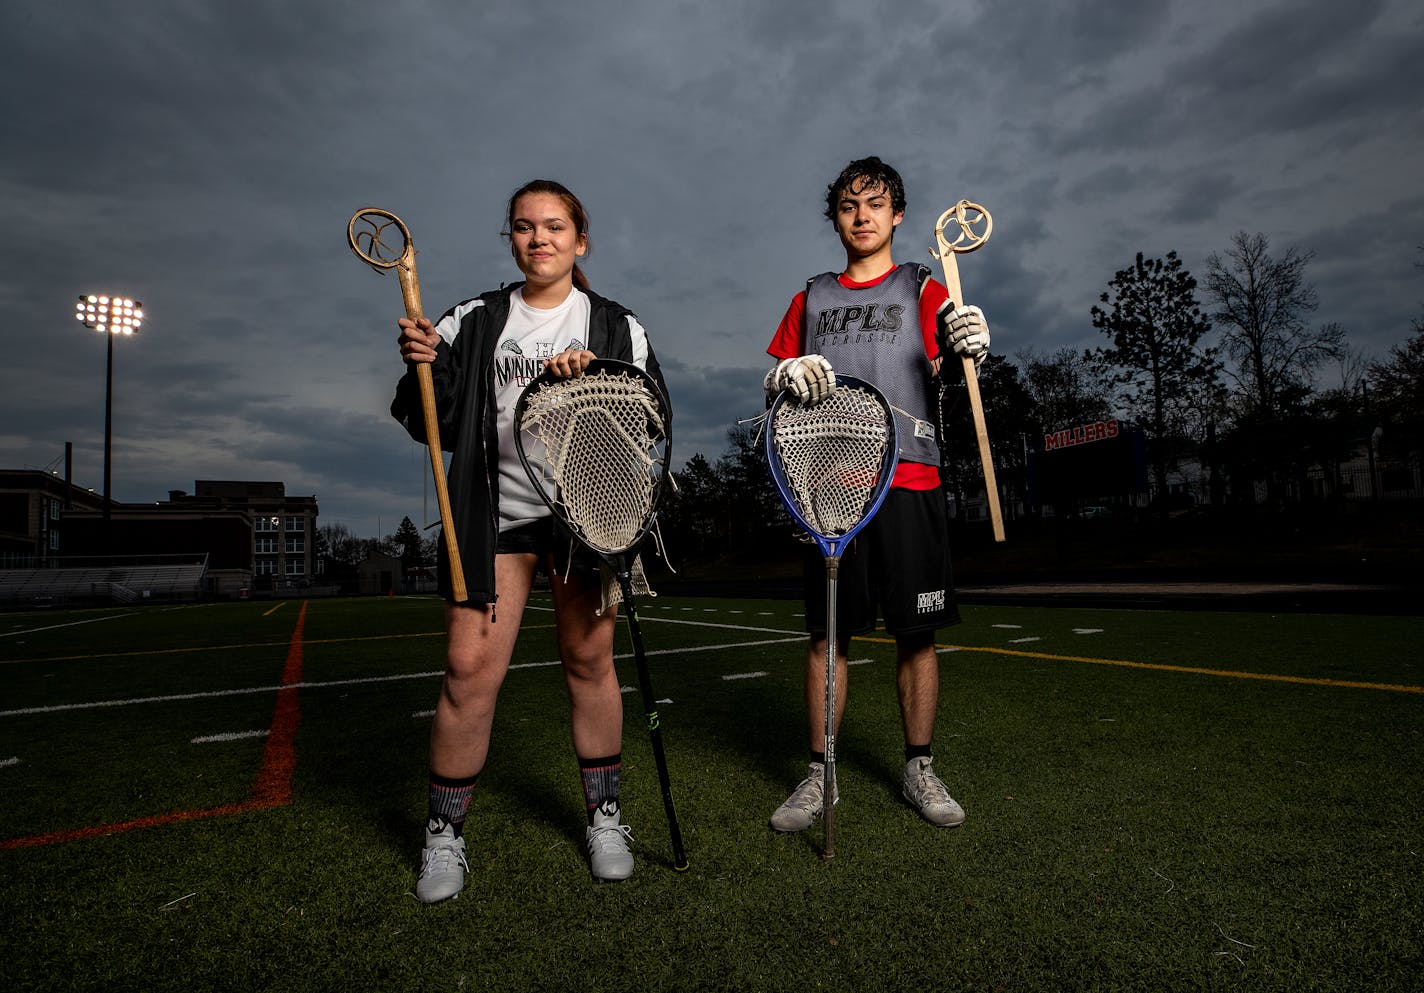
789	342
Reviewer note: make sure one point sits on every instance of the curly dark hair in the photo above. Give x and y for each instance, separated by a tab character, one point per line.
861	175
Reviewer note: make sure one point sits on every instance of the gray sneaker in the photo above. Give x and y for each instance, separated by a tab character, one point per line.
804	804
608	854
442	864
927	794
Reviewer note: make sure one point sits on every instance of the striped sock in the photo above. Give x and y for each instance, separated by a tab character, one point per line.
600	784
450	800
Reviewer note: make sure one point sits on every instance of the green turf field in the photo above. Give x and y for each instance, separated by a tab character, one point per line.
1156	801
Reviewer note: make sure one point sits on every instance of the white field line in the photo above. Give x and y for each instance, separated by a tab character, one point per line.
229	736
209	694
700	624
746	675
55	627
12	760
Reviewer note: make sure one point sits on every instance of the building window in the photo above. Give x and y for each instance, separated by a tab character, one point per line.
294	567
54	541
296	524
265	523
264	567
265	546
54	510
296	546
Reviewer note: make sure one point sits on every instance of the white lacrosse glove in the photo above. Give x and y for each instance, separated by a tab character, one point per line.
963	331
810	379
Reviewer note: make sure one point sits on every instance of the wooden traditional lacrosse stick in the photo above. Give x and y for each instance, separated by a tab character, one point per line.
968	217
364	233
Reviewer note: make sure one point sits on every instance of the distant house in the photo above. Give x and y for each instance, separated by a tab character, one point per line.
378	574
421	579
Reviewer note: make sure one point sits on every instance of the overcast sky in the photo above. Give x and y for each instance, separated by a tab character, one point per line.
204	157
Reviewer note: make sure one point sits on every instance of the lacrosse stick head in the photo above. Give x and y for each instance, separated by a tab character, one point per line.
597	449
833	461
380	239
970	224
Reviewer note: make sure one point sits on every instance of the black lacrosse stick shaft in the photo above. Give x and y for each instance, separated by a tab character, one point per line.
828	781
650	708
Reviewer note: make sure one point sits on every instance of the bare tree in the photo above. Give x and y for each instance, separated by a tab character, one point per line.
1398	392
1264	303
1354	367
1065	388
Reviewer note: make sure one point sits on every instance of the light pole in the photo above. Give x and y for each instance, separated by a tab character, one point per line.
110	316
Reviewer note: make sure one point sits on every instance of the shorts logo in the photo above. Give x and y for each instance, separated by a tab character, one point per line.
930	602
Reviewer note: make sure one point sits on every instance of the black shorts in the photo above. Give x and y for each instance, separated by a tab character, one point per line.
548	540
899	564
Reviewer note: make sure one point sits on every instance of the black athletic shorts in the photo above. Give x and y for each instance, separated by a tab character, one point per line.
899	564
545	538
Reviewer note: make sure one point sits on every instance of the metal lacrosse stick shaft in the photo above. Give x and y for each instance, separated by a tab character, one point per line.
369	249
965	216
828	781
650	709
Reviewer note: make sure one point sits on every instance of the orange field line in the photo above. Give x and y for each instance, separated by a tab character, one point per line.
273	787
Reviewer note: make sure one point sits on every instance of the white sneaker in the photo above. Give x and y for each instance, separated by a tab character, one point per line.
442	864
928	795
608	854
805	803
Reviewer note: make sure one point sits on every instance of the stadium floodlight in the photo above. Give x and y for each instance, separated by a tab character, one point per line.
116	315
110	316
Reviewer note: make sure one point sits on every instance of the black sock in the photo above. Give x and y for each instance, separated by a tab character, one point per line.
819	757
918	751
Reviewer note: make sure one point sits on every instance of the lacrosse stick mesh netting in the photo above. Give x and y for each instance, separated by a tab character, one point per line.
597	444
831	454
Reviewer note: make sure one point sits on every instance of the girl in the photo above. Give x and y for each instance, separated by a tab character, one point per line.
482	353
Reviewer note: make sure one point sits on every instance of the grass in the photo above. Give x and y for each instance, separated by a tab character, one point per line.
1134	824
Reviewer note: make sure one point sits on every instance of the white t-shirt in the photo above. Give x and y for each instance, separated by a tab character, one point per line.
529	337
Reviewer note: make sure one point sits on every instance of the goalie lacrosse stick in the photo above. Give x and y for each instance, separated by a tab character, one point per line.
597	448
364	234
832	463
968	217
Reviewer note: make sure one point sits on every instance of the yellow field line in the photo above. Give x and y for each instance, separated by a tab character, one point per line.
983	649
1193	669
268	613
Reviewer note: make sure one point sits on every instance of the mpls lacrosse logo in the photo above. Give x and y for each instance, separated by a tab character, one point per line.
930	602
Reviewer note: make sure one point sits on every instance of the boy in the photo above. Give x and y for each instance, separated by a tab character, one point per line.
890	325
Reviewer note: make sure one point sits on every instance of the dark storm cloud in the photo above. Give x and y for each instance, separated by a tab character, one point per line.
205	158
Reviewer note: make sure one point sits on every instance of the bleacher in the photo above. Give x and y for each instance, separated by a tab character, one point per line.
115	583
